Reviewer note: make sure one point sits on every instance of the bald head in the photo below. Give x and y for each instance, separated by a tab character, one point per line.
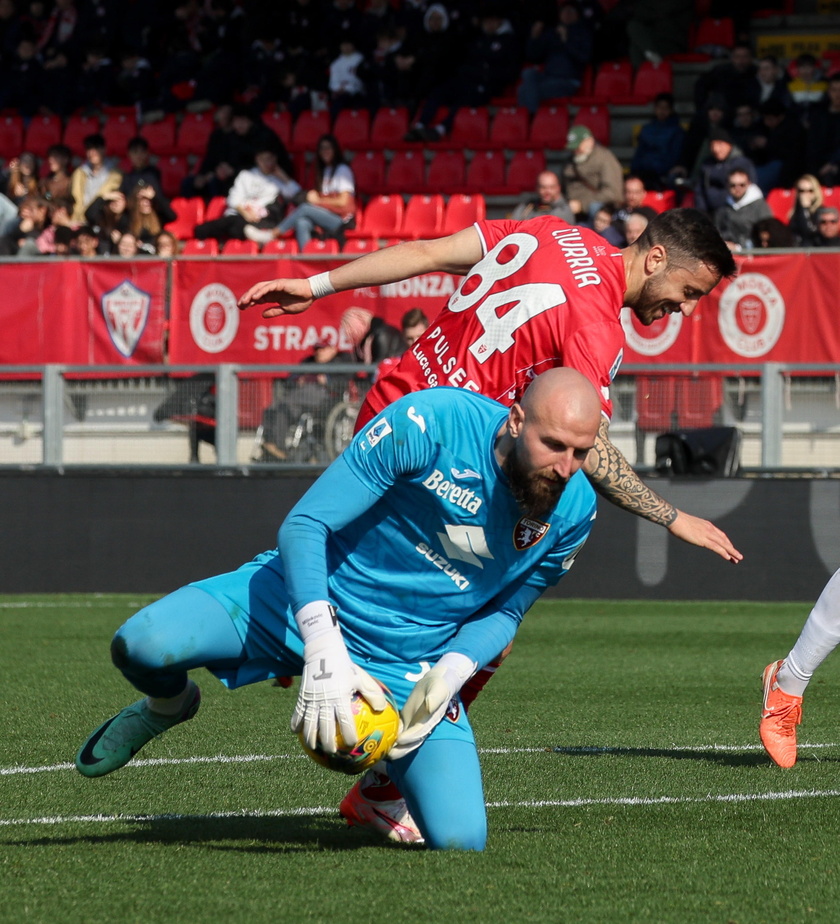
564	397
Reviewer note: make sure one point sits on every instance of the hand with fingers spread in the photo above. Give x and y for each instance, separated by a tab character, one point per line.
286	296
701	532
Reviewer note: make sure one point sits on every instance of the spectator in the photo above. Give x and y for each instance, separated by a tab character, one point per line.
770	83
330	206
56	184
491	62
808	86
128	246
634	200
347	89
828	226
96	176
134	82
823	143
802	220
745	128
734	81
22	240
602	222
60	211
96	80
413	324
23	79
656	28
427	57
256	201
371	339
696	146
772	232
557	55
743	207
59	47
548	201
87	242
107	215
23	178
777	150
248	136
660	144
634	226
712	186
166	244
593	177
142	169
64	241
147	213
214	175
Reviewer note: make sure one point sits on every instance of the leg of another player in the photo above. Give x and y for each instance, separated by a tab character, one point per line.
441	782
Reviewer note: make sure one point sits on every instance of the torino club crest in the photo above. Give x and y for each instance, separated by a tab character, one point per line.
126	311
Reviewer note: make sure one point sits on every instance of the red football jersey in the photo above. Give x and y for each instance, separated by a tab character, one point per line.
545	294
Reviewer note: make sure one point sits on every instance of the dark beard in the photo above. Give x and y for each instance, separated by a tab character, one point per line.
534	496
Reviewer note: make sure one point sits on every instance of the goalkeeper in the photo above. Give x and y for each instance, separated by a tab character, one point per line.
455	514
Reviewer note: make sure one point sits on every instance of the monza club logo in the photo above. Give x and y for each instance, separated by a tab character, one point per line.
751	315
653	340
214	318
126	311
528	533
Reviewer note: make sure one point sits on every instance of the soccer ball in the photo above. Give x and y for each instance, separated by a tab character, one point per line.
377	735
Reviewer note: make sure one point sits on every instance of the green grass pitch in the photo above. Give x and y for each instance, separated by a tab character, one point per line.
622	773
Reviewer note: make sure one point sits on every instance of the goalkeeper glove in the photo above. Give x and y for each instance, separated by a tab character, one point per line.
328	682
427	702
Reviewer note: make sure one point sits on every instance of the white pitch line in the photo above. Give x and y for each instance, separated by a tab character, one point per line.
628	801
257	758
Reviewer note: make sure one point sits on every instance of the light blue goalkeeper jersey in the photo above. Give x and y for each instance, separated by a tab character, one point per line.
414	535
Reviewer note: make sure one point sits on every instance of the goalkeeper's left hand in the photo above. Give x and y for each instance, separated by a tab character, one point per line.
427	702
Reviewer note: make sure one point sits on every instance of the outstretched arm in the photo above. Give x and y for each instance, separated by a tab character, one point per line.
614	479
454	254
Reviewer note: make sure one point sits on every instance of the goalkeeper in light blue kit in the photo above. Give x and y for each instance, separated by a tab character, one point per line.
412	559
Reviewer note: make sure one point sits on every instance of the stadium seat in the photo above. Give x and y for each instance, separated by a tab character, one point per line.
352	129
509	128
613	83
193	134
781	201
280	122
118	130
550	128
423	217
190	213
42	131
369	172
78	127
161	135
597	119
358	245
308	128
281	246
388	127
699	399
660	201
406	173
173	169
196	248
381	217
215	208
486	173
652	79
317	246
446	172
470	128
656	403
831	196
255	394
461	211
712	34
235	247
11	136
523	170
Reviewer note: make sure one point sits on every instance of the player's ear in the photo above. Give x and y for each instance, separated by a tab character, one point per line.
516	417
655	259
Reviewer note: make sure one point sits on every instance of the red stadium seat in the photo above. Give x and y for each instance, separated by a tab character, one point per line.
11	136
369	172
388	127
406	172
781	201
190	213
831	196
656	403
597	120
461	211
550	128
660	201
77	129
194	133
240	248
316	245
509	128
255	395
215	208
470	128
42	131
195	248
613	82
161	135
652	79
118	130
173	169
308	128
446	172
282	246
381	217
423	218
486	172
713	33
358	246
280	122
523	170
352	129
699	399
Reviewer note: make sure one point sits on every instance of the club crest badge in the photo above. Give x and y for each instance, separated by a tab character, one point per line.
126	311
453	710
528	532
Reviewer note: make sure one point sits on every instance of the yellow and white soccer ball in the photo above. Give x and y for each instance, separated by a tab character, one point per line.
377	733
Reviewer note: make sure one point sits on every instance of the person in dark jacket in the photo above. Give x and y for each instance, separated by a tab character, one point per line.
660	144
712	186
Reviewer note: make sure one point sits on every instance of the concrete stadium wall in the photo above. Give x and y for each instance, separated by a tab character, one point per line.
151	531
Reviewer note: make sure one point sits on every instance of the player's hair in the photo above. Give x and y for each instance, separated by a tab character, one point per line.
689	237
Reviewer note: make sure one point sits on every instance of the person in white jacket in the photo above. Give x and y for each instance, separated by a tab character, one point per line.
258	198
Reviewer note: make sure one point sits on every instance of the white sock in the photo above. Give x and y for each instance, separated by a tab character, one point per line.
171	705
819	637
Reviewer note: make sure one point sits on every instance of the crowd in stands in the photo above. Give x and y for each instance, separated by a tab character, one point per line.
250	72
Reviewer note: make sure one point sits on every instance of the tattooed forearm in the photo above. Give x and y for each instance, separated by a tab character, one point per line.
613	478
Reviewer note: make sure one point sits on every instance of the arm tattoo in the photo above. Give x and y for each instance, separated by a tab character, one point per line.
613	478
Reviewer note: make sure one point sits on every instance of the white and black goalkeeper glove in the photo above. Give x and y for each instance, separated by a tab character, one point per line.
428	701
329	680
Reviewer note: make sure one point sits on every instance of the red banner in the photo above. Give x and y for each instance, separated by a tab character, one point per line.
83	313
